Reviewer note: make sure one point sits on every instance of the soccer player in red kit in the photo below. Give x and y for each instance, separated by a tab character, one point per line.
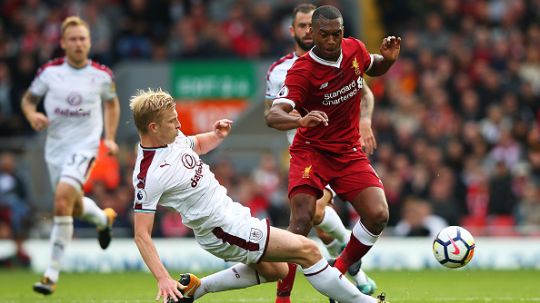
324	86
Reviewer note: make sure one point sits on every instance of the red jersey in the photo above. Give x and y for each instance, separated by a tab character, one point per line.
313	83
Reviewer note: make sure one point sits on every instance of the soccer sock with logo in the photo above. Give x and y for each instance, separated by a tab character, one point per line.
285	286
61	234
331	283
92	213
332	225
238	276
360	243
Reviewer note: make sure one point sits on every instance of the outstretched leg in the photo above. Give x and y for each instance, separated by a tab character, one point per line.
372	207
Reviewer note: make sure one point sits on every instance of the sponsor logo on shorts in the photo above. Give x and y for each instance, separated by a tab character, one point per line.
255	235
306	172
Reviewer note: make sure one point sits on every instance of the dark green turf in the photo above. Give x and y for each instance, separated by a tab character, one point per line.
467	286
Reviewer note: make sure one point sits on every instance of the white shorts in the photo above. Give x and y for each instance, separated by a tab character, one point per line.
243	241
74	170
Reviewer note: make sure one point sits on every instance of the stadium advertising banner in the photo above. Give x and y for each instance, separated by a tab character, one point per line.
199	116
214	80
211	90
185	254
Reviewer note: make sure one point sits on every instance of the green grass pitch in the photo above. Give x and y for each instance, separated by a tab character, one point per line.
465	286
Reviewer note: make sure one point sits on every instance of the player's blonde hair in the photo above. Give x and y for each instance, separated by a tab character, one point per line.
148	106
73	21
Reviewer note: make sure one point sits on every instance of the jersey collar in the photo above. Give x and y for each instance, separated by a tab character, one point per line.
322	61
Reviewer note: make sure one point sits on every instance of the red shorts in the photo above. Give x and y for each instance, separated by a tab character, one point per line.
311	170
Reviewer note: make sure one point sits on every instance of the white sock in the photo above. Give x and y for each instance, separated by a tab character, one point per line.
334	248
92	213
332	224
238	276
331	283
61	235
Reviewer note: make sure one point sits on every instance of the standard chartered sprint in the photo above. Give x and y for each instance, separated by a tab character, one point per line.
343	94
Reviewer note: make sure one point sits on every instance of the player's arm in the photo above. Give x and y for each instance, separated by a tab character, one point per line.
390	48
205	142
278	117
167	286
111	118
29	104
367	104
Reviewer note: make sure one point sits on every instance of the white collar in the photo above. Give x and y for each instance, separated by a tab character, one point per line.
322	61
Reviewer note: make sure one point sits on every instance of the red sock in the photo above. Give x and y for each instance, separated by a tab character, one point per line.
353	252
285	286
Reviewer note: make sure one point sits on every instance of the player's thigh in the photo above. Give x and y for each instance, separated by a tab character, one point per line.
286	246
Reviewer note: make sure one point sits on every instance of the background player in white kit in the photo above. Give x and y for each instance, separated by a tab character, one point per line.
330	228
169	172
74	88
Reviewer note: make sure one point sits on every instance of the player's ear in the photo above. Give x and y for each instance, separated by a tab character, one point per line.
291	31
152	127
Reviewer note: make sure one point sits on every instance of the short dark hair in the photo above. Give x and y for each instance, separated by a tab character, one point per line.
328	12
302	8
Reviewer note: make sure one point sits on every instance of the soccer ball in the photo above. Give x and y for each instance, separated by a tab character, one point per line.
453	247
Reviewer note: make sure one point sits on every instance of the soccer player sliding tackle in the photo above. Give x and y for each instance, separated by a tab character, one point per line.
169	172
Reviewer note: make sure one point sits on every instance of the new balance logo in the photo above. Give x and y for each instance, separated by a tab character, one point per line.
325	84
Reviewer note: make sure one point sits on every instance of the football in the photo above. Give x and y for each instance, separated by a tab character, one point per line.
453	247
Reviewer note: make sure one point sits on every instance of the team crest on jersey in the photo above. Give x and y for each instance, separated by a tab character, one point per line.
356	67
74	99
283	92
306	172
255	235
188	161
141	194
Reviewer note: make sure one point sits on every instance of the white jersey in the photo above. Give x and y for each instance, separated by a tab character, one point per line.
275	78
174	176
72	103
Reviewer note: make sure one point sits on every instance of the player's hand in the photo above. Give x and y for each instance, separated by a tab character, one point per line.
112	147
390	47
367	139
314	118
168	288
38	121
222	128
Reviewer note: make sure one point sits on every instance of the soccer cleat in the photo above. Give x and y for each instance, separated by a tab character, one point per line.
105	234
382	298
192	283
367	288
45	287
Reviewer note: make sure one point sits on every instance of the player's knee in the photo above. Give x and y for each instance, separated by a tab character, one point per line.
379	220
301	224
273	271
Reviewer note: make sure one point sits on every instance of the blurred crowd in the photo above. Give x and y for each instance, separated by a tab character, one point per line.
457	118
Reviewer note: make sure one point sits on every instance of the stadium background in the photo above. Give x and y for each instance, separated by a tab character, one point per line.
457	118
